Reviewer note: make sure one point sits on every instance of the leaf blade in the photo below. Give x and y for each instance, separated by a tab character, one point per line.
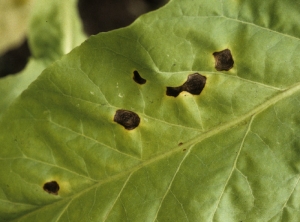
228	154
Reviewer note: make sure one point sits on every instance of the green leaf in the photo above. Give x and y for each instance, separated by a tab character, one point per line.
228	154
12	86
55	29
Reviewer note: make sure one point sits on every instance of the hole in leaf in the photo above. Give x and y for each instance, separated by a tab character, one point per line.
51	187
137	78
223	60
194	85
126	118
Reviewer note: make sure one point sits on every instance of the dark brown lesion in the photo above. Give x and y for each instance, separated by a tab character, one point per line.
126	118
194	85
138	79
51	187
174	91
223	60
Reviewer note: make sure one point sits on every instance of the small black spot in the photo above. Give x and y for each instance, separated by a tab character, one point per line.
184	150
194	85
179	144
51	187
137	78
223	60
126	118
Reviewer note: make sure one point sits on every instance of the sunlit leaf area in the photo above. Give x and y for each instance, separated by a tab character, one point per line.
190	113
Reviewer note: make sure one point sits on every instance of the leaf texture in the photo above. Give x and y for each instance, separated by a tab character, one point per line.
228	154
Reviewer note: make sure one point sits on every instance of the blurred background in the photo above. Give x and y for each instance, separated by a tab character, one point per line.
96	16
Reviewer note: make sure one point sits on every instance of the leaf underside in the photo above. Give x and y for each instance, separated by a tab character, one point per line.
228	154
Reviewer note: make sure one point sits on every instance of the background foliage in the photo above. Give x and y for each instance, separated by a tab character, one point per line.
52	32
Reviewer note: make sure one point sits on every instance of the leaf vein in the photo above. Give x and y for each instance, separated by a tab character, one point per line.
233	168
92	139
170	184
118	197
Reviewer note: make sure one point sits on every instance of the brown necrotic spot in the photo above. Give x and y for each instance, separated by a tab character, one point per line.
126	118
194	85
137	78
174	91
223	60
51	187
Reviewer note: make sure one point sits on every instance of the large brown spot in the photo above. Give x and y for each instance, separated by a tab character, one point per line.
126	118
223	60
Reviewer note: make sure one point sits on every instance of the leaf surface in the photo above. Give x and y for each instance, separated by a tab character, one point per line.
55	29
12	86
228	154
